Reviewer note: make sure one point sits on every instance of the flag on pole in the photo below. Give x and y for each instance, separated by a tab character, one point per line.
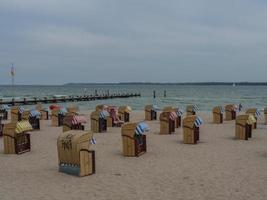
12	71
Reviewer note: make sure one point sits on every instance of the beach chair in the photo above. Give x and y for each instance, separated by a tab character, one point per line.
57	116
44	112
151	112
134	139
256	113
4	111
167	122
230	112
16	112
179	114
16	139
265	115
244	124
34	119
113	119
99	121
191	126
73	122
191	110
124	113
218	114
74	154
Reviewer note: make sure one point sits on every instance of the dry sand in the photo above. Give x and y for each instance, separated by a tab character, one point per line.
219	167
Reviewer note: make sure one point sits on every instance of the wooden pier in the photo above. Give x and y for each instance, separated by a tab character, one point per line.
35	100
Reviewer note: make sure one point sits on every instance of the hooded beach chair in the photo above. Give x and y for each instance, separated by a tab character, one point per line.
230	112
99	121
178	112
44	112
113	119
256	113
244	124
101	107
73	122
16	139
4	111
167	122
191	110
191	126
218	114
34	119
124	113
74	154
134	138
16	113
151	112
57	116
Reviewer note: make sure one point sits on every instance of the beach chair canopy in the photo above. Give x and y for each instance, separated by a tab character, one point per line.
141	128
21	109
218	109
4	107
126	109
193	108
104	114
179	112
166	116
192	121
256	112
35	113
245	119
198	122
23	126
78	119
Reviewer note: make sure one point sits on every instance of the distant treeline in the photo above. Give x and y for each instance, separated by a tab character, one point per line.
185	83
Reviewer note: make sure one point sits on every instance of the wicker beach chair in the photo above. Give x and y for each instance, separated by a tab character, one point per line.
244	124
191	126
218	114
178	112
34	119
16	113
124	113
113	119
151	112
16	138
230	112
74	154
57	116
99	121
134	139
167	122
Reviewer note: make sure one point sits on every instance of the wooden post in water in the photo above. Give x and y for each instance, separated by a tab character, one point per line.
165	93
95	92
154	94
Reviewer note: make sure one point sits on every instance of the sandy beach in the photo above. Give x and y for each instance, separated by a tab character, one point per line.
217	168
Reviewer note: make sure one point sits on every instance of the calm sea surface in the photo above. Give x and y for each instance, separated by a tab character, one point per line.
177	95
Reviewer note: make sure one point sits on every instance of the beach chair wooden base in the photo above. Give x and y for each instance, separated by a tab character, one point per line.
17	145
167	127
191	135
134	146
85	168
243	132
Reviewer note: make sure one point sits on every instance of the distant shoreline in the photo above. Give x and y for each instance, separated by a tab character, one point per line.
155	83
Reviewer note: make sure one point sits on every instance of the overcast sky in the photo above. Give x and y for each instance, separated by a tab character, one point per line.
59	41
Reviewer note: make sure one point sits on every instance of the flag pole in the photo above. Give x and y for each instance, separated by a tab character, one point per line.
12	77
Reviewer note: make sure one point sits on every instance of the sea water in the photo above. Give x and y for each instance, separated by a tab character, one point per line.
206	97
